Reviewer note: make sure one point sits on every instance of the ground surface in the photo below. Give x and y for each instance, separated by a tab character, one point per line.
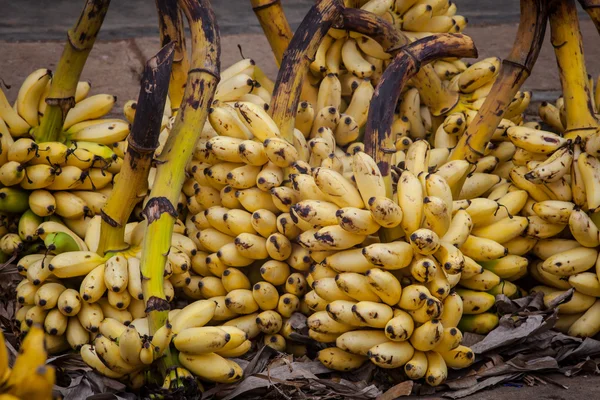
32	33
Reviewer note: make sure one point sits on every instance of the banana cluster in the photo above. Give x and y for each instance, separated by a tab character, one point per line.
53	181
559	177
124	352
29	377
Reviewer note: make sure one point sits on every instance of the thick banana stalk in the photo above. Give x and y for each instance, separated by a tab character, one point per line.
379	139
568	49
170	25
438	98
592	7
160	210
295	63
142	143
61	98
514	71
274	24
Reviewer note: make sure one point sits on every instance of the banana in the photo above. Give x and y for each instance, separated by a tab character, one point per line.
116	275
589	168
478	74
552	169
90	316
12	173
201	340
570	262
410	200
577	304
75	263
506	267
401	327
105	133
416	367
385	285
340	360
459	230
458	358
391	354
503	230
358	108
375	315
588	325
38	176
70	206
554	211
475	302
482	249
321	322
385	211
256	120
390	256
535	141
482	282
92	107
327	289
427	336
583	229
69	302
93	286
196	314
586	283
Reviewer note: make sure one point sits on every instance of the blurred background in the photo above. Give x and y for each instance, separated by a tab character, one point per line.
47	20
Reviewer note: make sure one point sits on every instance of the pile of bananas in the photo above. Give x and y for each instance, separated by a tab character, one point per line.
29	377
275	227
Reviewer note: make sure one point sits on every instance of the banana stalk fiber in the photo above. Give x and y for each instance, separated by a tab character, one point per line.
160	210
132	185
438	98
170	24
592	7
295	63
514	71
379	138
274	24
61	98
568	48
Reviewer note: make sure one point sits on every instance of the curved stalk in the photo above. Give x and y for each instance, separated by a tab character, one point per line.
438	98
296	59
160	210
61	98
274	24
568	48
170	24
514	71
379	139
132	185
592	7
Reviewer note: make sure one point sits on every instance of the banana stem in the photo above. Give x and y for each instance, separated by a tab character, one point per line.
438	98
132	185
379	139
160	210
592	7
61	98
568	48
294	66
514	71
274	24
170	24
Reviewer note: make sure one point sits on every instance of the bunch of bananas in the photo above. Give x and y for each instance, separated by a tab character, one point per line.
30	377
559	177
65	183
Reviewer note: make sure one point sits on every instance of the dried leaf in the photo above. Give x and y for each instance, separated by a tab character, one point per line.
400	390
